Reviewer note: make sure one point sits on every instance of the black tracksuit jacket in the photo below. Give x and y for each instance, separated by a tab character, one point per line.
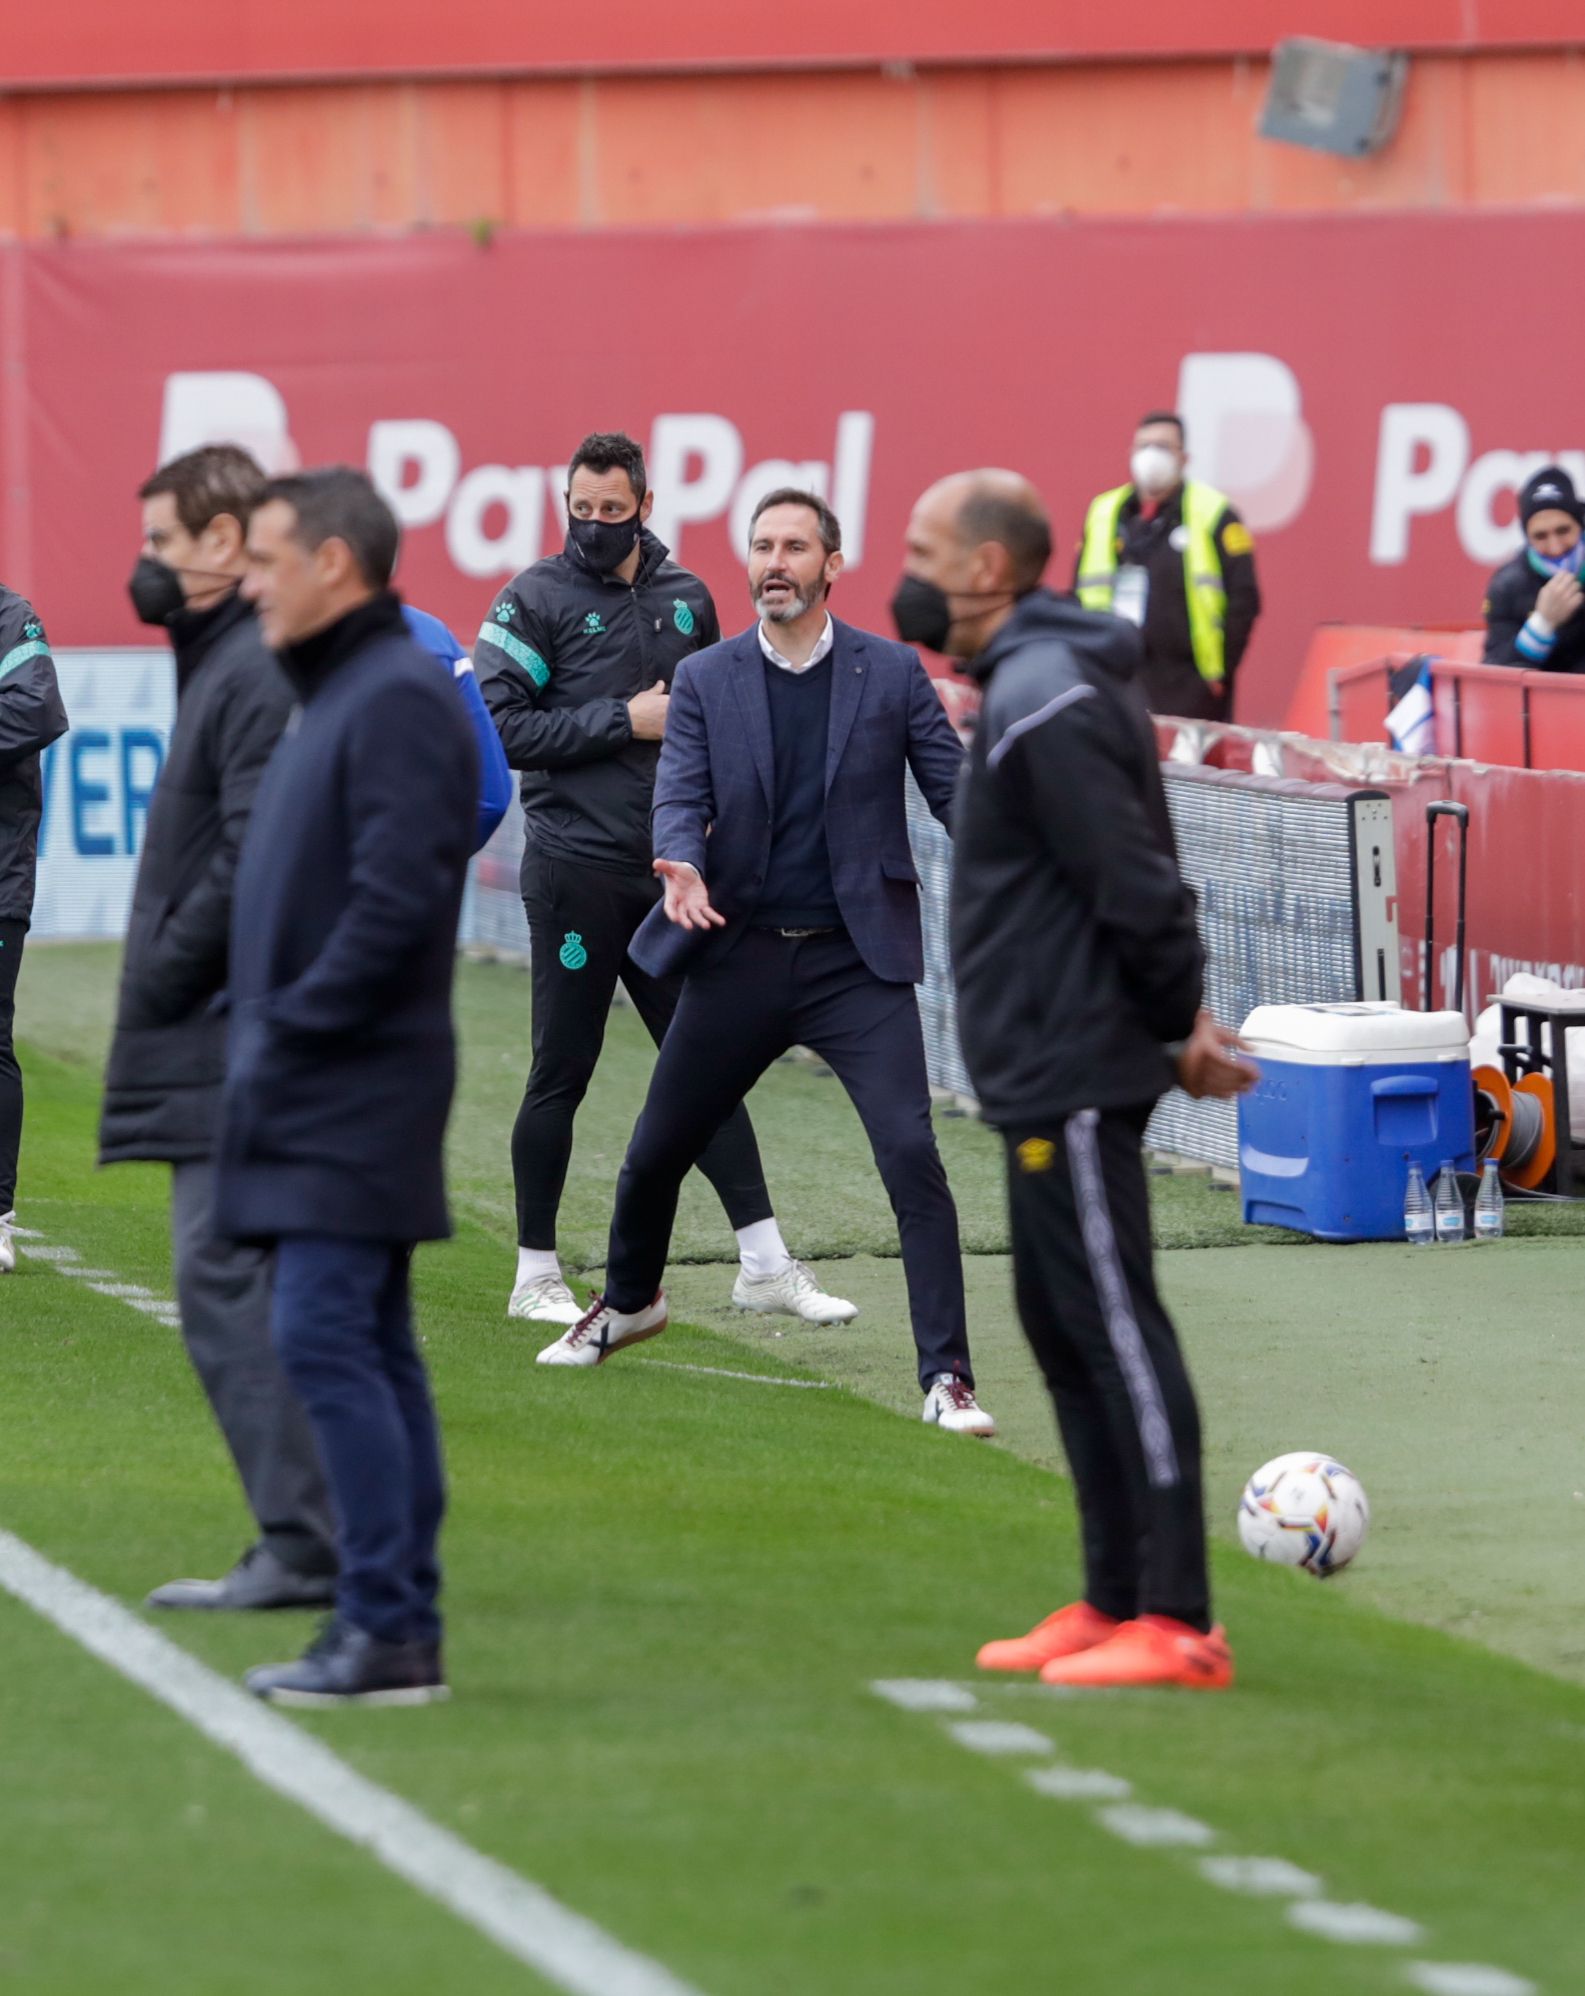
561	653
32	715
168	1057
1510	597
1073	933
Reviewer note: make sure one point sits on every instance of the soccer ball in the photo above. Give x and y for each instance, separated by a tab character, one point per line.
1304	1510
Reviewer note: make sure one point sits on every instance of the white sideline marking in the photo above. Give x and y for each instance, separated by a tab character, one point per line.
756	1378
1355	1926
1262	1877
924	1694
103	1281
1268	1877
1465	1978
999	1736
1136	1824
519	1916
1079	1784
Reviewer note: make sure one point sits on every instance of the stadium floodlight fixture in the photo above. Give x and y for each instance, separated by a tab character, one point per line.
1333	97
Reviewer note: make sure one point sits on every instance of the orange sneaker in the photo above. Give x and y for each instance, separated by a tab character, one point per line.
1154	1650
1071	1629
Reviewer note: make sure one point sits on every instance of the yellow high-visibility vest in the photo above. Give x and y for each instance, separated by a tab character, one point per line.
1203	585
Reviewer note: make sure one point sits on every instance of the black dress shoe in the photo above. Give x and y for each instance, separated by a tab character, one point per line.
345	1665
258	1580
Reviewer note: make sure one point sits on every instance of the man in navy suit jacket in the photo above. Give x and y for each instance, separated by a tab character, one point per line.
792	905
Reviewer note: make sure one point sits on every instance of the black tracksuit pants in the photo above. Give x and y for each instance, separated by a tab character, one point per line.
580	922
11	938
739	1012
1086	1290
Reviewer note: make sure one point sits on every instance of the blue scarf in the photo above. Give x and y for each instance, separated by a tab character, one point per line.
1568	565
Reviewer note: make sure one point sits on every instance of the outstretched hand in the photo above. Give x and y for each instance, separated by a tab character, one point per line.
687	897
1209	1063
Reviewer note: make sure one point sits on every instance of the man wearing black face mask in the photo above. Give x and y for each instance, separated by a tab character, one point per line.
575	661
1079	975
167	1060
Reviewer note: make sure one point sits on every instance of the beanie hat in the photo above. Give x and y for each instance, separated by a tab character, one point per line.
1549	490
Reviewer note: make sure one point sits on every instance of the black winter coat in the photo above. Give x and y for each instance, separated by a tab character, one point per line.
1510	597
32	715
168	1056
342	1058
1073	933
561	653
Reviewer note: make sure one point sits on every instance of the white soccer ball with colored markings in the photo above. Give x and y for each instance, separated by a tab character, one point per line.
1304	1510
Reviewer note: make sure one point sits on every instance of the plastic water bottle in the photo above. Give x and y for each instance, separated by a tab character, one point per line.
1417	1225
1488	1204
1449	1207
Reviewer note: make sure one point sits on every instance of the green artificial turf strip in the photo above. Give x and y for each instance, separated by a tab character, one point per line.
809	1134
668	1595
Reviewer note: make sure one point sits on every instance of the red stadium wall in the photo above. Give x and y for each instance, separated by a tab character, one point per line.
1331	378
105	41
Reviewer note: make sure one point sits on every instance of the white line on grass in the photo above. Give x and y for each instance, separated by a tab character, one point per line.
1465	1978
519	1916
1136	1823
1079	1784
754	1378
1261	1877
1354	1926
103	1281
999	1736
924	1694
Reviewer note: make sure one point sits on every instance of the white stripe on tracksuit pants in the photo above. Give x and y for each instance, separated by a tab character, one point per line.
1080	1215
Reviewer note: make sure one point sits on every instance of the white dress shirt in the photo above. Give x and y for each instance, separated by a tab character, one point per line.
826	640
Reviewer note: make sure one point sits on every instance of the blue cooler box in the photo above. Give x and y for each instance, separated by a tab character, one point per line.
1347	1096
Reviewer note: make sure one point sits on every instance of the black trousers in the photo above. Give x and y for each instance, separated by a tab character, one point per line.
739	1013
11	937
580	922
224	1289
1087	1296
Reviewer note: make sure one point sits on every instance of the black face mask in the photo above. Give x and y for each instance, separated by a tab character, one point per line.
603	545
921	612
156	591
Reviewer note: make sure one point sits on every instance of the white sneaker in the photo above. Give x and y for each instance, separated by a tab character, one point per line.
794	1292
8	1247
950	1403
600	1331
544	1299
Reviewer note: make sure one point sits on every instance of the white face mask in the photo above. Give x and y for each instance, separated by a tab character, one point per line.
1154	468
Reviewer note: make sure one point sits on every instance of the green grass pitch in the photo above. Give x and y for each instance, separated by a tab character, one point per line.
670	1593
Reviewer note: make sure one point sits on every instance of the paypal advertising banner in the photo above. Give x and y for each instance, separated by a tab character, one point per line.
98	780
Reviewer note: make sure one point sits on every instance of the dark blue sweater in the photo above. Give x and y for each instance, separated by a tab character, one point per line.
798	891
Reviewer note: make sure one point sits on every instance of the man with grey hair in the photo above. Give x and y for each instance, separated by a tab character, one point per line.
792	905
1079	973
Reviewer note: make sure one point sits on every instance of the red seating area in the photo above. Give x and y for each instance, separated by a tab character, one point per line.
1480	713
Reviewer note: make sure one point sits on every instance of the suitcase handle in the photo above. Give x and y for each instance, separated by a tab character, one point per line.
1459	813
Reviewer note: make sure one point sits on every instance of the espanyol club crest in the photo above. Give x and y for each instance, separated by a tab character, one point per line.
682	616
572	952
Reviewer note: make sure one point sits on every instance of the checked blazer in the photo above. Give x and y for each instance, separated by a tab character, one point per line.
715	783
